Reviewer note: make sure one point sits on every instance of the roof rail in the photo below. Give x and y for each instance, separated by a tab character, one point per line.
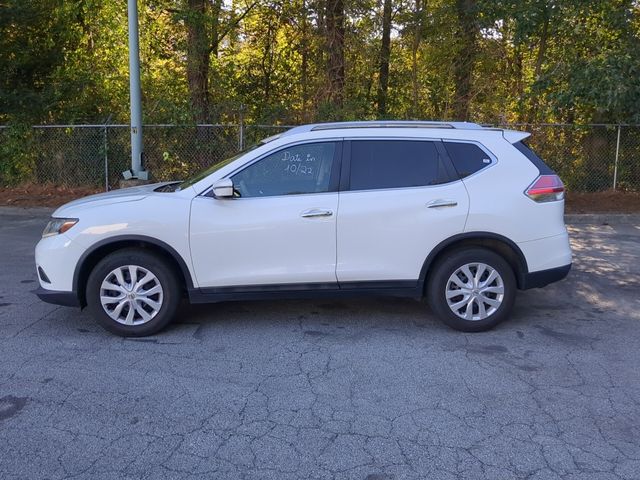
381	124
393	124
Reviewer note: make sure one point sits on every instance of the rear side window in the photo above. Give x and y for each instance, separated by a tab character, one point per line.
467	158
524	149
379	164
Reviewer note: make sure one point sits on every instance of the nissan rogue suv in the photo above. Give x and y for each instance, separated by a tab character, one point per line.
454	212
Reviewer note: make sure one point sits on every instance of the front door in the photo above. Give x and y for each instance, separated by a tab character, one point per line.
280	227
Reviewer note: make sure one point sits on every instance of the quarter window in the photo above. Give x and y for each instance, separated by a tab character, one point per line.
467	158
295	170
533	158
379	164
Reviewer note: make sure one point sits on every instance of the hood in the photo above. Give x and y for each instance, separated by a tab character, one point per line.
130	194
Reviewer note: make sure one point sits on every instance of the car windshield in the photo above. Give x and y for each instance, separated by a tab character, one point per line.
214	168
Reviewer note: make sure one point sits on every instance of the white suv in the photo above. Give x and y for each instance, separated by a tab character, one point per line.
461	214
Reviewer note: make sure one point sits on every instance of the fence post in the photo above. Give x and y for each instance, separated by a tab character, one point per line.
615	165
106	161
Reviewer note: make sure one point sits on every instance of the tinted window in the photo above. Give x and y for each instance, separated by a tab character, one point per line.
467	158
294	170
533	158
395	163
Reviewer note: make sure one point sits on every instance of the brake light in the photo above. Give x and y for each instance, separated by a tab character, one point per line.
546	188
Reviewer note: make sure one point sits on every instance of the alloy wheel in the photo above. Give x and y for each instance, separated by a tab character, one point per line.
131	295
474	291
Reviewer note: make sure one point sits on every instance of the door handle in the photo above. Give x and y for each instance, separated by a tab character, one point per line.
316	212
441	203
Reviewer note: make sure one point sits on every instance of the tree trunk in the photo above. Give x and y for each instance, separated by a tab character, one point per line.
598	149
542	49
463	67
385	54
540	57
198	59
214	35
304	69
266	64
334	25
417	38
517	72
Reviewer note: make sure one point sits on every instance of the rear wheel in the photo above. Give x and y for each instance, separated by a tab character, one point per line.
472	290
133	293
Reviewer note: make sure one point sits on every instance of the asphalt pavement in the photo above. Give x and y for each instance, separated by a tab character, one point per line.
373	389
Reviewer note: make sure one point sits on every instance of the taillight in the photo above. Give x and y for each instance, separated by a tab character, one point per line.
546	188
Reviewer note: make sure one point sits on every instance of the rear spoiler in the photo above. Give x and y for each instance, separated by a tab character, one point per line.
514	136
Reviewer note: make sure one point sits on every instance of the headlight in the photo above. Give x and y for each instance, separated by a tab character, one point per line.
58	225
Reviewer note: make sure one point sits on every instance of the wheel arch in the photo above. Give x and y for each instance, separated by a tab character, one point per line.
96	252
497	243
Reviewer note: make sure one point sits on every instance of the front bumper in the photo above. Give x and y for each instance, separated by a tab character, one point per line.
66	299
57	256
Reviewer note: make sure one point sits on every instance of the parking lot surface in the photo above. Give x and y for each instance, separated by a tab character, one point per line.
372	389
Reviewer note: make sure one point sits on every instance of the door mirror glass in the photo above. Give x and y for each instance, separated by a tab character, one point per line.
223	188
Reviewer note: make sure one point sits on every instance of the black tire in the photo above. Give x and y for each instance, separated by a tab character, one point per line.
439	282
165	275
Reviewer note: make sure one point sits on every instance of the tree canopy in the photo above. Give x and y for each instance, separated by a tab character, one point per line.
293	61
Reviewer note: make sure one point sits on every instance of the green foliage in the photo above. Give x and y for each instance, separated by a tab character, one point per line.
65	61
17	156
33	39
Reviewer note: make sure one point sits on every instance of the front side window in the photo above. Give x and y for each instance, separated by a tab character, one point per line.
377	164
294	170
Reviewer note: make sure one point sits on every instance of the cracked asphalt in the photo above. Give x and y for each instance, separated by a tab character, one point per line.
372	389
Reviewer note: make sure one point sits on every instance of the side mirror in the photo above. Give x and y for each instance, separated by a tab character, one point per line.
223	188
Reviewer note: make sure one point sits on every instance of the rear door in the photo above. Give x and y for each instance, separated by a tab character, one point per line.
399	198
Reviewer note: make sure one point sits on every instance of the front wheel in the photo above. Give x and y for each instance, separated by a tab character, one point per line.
472	290
133	293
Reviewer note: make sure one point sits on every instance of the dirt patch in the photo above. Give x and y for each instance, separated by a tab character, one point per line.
603	202
42	195
52	196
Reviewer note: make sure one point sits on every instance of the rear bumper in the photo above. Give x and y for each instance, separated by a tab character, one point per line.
543	278
547	253
66	299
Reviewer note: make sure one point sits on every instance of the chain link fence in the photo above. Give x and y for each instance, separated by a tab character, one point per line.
589	158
